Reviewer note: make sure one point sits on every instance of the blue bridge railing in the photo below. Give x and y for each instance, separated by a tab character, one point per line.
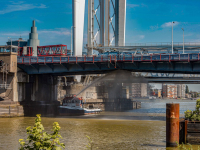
109	58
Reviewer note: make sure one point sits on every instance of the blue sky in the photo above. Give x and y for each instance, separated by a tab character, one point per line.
147	20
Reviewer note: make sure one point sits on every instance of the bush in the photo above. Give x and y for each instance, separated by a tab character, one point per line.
188	114
193	115
40	140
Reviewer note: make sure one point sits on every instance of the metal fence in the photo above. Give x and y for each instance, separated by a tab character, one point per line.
109	58
161	44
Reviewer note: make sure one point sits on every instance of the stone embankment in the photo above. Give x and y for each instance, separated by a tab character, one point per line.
9	108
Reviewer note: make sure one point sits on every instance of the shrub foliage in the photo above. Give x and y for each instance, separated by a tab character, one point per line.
38	139
193	115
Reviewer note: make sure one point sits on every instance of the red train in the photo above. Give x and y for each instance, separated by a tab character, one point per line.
49	50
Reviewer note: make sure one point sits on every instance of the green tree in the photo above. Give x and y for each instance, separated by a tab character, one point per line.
187	89
40	140
195	95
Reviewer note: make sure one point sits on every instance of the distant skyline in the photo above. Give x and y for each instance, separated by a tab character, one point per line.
192	87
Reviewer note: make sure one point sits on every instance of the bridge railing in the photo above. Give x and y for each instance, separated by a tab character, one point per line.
109	58
161	44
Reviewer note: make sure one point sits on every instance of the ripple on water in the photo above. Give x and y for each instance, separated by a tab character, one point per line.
106	134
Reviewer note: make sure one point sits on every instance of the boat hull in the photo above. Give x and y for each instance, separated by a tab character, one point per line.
65	111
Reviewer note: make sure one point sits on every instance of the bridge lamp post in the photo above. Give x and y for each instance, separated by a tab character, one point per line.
71	38
172	37
183	41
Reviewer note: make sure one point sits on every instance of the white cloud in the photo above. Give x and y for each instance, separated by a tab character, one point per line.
154	27
141	37
169	24
135	39
20	6
37	20
14	34
57	31
132	5
189	34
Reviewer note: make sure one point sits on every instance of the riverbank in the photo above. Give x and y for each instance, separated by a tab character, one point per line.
10	109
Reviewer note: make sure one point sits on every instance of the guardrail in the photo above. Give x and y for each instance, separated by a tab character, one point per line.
109	58
162	44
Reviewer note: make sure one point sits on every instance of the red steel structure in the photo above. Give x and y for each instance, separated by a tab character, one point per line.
50	50
29	51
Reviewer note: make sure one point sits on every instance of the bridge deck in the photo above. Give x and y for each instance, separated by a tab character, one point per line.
174	63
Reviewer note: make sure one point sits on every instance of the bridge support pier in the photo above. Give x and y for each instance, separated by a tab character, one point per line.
38	94
44	88
118	98
37	87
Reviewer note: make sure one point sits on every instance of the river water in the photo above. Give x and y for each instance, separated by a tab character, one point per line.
136	129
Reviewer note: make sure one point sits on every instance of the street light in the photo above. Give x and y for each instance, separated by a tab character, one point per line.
71	38
172	37
183	41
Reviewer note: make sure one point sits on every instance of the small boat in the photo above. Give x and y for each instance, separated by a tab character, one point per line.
73	106
152	97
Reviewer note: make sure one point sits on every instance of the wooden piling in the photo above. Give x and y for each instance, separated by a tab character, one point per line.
172	124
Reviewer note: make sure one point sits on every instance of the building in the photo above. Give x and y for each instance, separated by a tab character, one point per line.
181	90
188	95
139	90
169	91
17	42
155	93
159	93
143	90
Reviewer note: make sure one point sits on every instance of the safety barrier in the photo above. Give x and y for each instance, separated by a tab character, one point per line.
161	44
109	58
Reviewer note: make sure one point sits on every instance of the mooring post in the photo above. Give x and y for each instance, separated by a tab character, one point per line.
185	132
172	124
9	110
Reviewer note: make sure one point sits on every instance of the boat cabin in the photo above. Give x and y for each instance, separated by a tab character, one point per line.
72	102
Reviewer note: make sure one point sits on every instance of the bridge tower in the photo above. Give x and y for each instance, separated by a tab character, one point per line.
78	25
120	22
110	23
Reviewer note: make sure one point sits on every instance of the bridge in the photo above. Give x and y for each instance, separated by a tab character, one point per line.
155	47
173	80
70	65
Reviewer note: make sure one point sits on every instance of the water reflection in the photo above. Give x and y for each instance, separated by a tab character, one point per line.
112	130
159	105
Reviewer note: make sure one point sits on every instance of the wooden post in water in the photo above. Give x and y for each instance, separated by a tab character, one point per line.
172	124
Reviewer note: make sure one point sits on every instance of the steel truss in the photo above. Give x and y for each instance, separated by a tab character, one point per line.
102	22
